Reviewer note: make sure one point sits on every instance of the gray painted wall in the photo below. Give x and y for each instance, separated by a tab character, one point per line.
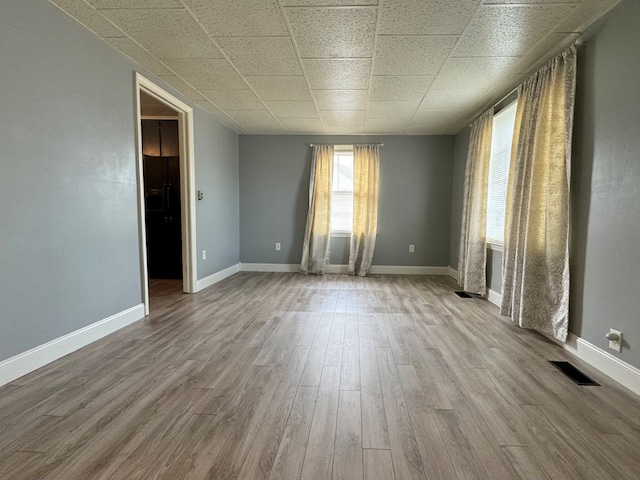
218	213
605	185
605	257
69	249
414	208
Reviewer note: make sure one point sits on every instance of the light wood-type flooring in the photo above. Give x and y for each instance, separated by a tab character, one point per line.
282	376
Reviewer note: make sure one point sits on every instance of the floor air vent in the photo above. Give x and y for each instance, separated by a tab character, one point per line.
463	294
574	374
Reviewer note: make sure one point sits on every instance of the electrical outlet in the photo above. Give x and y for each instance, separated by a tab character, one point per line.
204	254
412	248
615	340
277	246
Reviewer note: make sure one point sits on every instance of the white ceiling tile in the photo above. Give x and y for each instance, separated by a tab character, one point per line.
473	73
139	55
302	125
208	74
379	125
345	129
292	109
343	117
584	15
328	3
240	18
219	115
280	88
165	33
262	55
428	130
399	88
89	17
453	99
234	99
113	4
341	99
338	74
420	17
546	48
416	55
508	30
435	117
389	110
256	122
181	86
333	32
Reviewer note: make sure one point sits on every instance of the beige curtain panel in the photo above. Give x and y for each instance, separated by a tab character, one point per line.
472	260
317	234
366	163
535	291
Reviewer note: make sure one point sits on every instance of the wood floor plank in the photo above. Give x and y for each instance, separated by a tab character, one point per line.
378	465
318	460
347	463
285	376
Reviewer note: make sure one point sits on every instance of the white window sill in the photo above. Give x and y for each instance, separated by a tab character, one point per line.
340	234
495	246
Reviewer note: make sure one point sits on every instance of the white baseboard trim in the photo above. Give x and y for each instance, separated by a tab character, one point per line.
625	374
269	267
494	297
375	269
217	277
453	273
26	362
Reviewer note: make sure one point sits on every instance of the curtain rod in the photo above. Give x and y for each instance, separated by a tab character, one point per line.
345	145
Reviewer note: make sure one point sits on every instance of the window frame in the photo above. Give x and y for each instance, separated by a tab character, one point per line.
338	150
495	243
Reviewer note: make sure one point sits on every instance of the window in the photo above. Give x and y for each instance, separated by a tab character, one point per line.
342	191
501	140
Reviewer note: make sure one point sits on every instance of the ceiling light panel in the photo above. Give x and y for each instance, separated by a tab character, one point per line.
413	55
338	74
508	31
341	99
208	74
333	32
238	18
262	55
399	88
420	17
165	33
91	19
280	88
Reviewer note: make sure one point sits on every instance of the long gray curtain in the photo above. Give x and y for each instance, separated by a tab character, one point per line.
317	234
366	172
472	259
535	290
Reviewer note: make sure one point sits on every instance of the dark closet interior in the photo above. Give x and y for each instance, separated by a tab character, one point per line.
161	159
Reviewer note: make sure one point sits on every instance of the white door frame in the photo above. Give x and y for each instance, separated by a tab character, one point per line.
187	186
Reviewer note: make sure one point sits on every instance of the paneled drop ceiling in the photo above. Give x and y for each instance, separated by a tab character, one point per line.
339	66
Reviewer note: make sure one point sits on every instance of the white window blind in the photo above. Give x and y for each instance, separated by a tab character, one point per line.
501	141
342	191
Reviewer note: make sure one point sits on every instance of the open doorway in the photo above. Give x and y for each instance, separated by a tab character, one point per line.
165	189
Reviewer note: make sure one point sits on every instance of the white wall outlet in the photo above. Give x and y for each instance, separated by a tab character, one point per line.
615	340
204	254
277	246
412	248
